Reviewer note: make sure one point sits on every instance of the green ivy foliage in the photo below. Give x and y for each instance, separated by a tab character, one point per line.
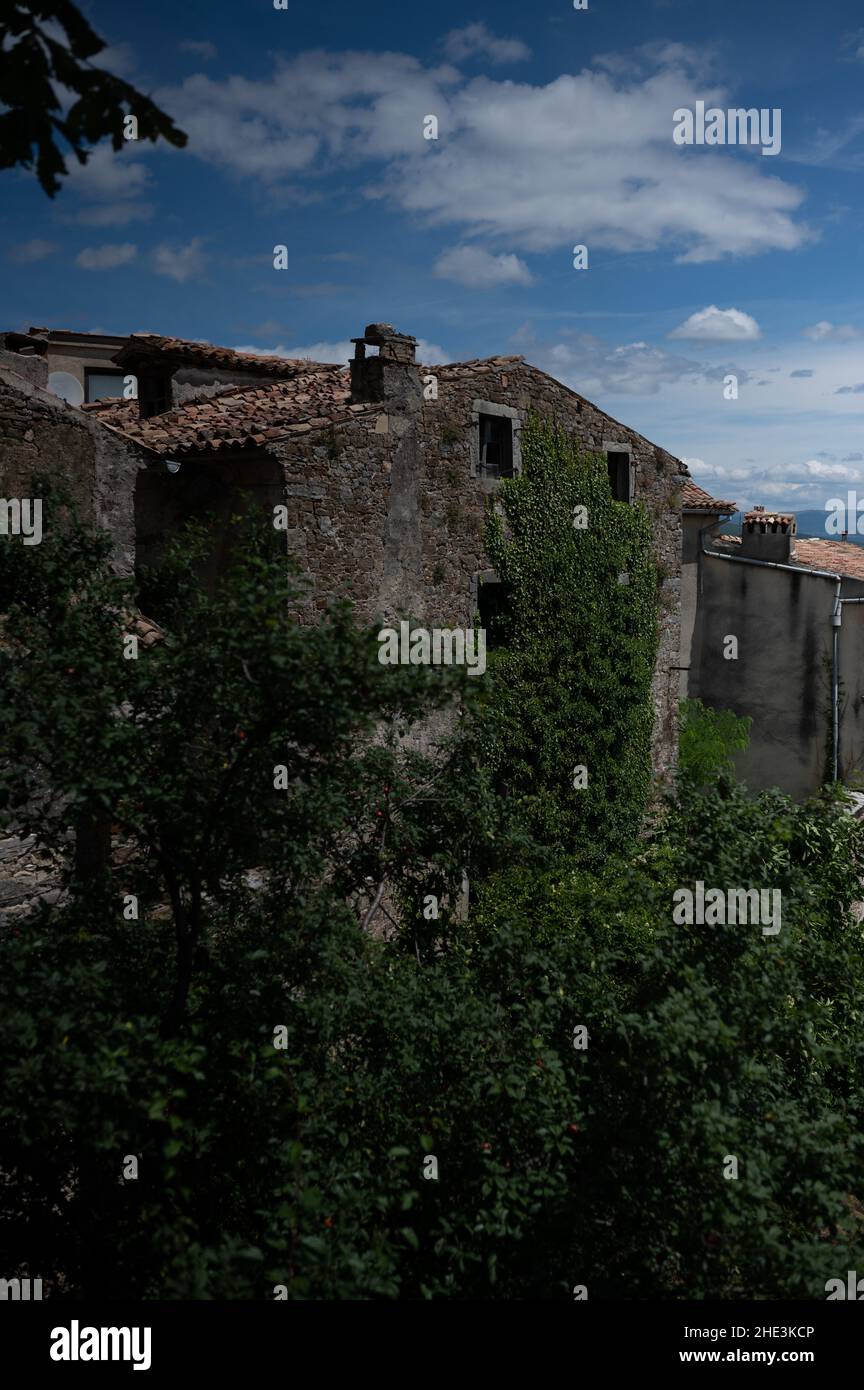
571	682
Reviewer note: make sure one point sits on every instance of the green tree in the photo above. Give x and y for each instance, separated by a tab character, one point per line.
240	741
285	1120
45	48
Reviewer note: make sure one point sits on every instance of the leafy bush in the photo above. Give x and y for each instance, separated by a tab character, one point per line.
304	1167
308	1167
708	738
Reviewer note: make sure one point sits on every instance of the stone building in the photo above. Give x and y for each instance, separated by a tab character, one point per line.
385	466
41	435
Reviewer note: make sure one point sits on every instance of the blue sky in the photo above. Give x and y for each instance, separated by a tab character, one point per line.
555	129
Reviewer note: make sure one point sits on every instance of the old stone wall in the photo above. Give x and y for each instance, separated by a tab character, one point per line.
386	508
42	435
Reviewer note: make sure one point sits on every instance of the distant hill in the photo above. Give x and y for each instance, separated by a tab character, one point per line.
810	523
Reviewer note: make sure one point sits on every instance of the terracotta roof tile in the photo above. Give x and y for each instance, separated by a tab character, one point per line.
238	418
696	499
306	396
310	396
183	352
772	519
841	556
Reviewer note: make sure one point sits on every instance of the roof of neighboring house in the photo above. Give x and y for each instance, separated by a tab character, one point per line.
696	499
244	417
182	352
841	556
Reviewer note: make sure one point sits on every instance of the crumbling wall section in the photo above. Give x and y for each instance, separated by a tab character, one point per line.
40	435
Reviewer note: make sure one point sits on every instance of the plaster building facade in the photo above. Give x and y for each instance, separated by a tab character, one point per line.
767	632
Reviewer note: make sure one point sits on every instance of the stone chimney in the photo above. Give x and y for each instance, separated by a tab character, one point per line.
393	377
768	535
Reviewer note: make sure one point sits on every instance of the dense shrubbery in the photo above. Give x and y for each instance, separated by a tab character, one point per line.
556	1167
304	1167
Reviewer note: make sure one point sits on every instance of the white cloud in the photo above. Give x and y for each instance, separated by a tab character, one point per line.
199	48
814	468
112	214
479	269
718	473
429	354
37	249
829	332
713	325
596	369
518	164
476	41
180	263
106	257
266	329
108	175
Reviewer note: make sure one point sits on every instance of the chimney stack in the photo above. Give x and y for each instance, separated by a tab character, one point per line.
392	378
768	535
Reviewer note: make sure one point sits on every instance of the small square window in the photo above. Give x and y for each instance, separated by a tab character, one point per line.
103	386
496	446
619	475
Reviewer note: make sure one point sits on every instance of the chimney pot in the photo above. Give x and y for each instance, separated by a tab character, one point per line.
768	535
392	377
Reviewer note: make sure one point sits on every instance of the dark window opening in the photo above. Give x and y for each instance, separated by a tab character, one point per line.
619	476
102	386
154	393
494	609
496	446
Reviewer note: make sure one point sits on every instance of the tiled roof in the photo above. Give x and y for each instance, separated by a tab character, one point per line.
772	519
245	417
309	396
696	499
840	556
183	352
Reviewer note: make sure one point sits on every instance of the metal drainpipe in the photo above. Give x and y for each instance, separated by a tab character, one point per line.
836	619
